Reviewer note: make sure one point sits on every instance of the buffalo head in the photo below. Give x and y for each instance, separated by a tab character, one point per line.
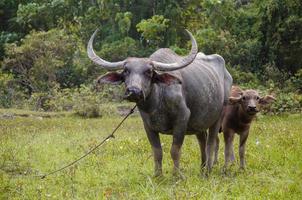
139	74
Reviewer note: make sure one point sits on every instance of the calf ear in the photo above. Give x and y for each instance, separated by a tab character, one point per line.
234	100
267	99
165	78
112	78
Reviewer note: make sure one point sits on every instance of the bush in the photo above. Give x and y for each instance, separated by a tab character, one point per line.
244	79
153	29
85	101
39	63
119	50
294	84
11	95
286	102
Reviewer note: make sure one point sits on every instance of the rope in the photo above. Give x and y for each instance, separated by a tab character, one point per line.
90	151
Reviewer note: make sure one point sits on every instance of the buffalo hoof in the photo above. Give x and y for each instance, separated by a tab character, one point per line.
242	168
158	173
178	174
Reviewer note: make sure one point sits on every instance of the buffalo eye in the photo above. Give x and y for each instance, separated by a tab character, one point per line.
243	98
126	71
257	97
148	73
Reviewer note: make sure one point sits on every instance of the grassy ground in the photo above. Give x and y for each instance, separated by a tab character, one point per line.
123	168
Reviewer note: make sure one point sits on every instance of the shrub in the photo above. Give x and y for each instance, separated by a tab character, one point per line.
11	94
244	79
85	101
120	49
153	29
39	63
287	102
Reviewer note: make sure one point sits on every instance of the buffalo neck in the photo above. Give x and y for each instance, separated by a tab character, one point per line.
152	100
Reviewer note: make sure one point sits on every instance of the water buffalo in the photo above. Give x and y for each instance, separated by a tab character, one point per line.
175	95
237	118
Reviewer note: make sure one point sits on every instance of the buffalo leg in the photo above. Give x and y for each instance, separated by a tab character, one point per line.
242	142
216	150
228	149
211	144
178	137
202	138
176	151
154	140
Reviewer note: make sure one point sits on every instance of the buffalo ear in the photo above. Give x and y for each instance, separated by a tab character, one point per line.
114	78
165	78
267	99
234	100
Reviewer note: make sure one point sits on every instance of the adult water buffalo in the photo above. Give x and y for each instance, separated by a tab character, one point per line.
175	95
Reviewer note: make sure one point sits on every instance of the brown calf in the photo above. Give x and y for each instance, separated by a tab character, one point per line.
237	118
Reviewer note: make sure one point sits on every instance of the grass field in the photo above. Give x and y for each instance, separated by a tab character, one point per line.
123	167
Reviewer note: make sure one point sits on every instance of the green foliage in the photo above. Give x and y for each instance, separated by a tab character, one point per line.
152	29
5	93
120	49
5	38
43	43
124	22
85	101
40	63
10	92
286	103
244	79
281	25
297	82
37	15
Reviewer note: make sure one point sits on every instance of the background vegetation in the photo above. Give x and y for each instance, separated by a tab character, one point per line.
43	44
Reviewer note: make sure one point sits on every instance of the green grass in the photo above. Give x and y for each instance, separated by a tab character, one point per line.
123	167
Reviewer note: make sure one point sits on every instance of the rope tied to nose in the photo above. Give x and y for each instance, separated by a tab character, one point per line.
91	150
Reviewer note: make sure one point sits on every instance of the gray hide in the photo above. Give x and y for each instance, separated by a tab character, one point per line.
187	100
187	108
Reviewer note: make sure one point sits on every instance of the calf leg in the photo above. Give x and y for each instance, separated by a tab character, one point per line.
202	138
154	140
242	142
228	150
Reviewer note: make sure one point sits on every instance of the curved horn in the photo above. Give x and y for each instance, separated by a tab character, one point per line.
111	66
183	63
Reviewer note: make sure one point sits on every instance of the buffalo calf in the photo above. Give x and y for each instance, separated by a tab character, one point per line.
237	117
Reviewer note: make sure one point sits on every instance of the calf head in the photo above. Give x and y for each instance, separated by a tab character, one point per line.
139	74
250	101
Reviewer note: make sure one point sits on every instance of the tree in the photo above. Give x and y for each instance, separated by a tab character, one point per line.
281	28
39	63
153	29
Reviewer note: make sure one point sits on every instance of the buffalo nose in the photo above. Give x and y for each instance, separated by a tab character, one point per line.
133	94
133	90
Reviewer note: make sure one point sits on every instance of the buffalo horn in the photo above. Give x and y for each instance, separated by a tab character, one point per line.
183	63
110	66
